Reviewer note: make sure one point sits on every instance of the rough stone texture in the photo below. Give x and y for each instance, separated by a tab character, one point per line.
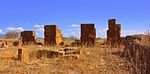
88	34
113	33
15	43
42	54
48	54
53	35
139	56
134	37
118	29
28	37
23	55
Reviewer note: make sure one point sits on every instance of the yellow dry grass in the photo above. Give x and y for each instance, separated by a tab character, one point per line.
92	60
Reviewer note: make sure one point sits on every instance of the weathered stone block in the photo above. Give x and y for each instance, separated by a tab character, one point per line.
48	54
113	32
42	54
23	55
88	34
28	37
15	43
53	35
111	24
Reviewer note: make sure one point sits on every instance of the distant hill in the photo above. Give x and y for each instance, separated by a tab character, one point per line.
2	35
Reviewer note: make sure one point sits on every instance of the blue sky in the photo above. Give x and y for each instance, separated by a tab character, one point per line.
19	15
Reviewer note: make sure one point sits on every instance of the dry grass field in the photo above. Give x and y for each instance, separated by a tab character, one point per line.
101	59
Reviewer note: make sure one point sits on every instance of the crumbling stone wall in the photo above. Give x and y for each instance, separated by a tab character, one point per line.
113	32
139	56
88	34
53	35
28	37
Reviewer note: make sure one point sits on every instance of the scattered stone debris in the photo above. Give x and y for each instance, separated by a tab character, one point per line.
48	54
63	52
76	43
71	52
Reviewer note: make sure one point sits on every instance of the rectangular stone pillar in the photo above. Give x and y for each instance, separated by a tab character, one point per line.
88	34
113	32
52	35
28	37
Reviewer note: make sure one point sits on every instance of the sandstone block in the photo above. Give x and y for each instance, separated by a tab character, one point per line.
23	55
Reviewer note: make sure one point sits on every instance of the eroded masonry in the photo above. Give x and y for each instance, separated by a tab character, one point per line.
28	37
52	35
88	34
113	32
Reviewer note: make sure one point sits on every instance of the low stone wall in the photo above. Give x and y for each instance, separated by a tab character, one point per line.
139	55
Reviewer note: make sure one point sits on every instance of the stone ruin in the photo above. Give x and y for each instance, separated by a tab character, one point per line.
137	53
15	43
67	52
113	32
23	55
28	37
44	53
53	35
88	34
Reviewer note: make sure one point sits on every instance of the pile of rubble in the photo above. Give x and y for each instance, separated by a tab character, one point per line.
73	52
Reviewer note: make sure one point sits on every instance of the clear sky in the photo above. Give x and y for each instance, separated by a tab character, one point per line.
19	15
